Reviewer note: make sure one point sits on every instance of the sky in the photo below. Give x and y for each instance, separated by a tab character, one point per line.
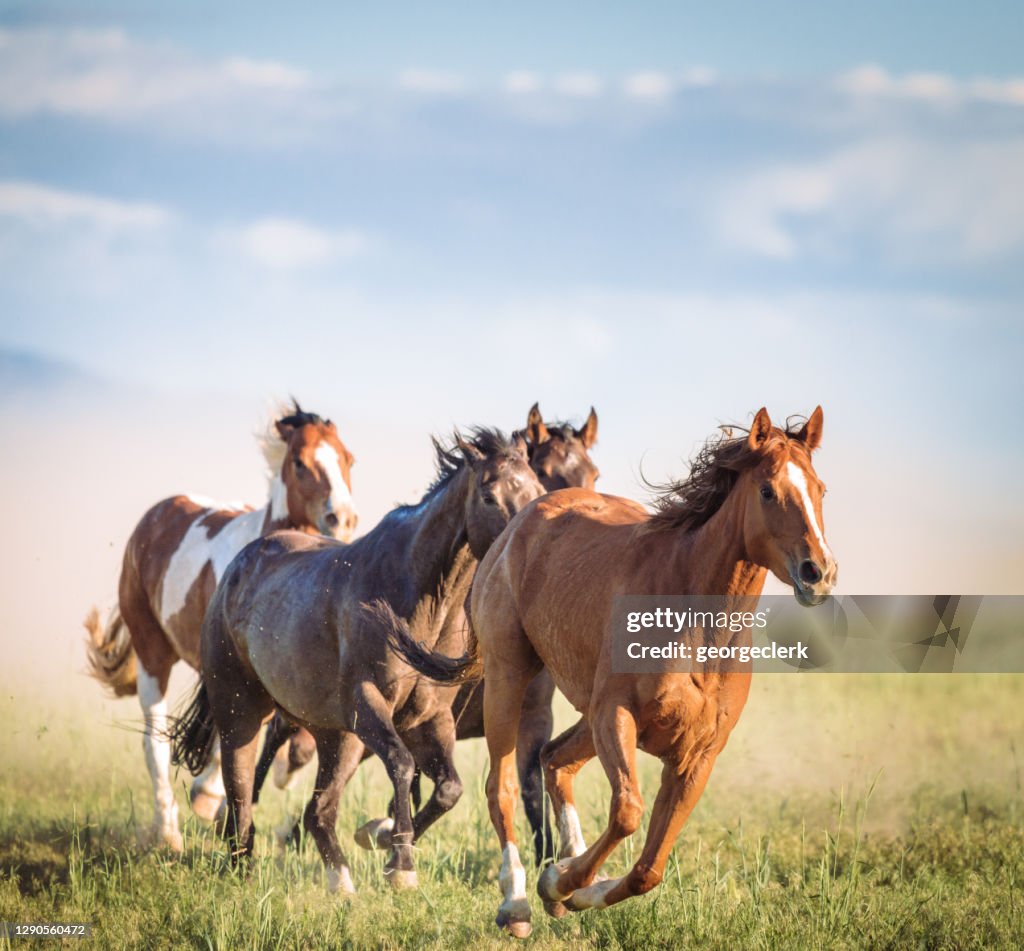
417	217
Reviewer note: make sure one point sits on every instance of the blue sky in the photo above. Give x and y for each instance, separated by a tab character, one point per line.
416	216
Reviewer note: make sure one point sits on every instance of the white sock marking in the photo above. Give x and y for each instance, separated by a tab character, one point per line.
158	756
570	832
512	876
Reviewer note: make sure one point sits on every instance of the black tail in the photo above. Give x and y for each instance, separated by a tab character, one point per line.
433	665
193	734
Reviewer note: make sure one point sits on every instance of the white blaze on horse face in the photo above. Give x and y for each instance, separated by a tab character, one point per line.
799	480
570	832
341	497
195	550
158	760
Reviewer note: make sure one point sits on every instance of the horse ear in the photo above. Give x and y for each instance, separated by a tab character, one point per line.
536	431
810	432
588	434
284	430
469	452
760	429
520	445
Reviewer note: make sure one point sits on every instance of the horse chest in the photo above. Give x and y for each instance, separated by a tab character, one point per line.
686	726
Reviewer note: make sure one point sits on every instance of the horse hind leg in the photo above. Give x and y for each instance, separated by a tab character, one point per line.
376	729
562	759
165	828
572	881
207	794
535	727
508	676
155	657
340	756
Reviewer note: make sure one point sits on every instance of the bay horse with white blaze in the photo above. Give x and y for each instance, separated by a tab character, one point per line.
172	563
559	453
288	630
544	595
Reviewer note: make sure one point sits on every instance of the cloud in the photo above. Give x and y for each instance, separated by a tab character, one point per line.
954	200
522	81
286	244
872	81
41	205
649	86
431	82
111	77
580	85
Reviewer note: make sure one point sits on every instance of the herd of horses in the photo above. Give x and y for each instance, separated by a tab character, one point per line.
455	617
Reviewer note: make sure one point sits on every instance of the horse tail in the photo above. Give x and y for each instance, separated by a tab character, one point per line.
110	652
431	664
193	734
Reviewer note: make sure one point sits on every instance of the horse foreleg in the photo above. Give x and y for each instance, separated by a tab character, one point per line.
340	756
676	798
433	744
614	737
157	746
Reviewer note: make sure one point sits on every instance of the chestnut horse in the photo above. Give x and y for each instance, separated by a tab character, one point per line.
544	595
559	454
287	629
172	563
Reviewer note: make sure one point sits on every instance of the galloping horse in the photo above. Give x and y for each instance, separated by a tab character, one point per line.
288	629
544	595
172	563
559	455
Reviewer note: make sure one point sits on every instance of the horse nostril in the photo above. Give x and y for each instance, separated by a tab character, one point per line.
810	573
331	520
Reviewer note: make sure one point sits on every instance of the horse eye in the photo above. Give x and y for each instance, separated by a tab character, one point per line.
490	499
299	464
767	493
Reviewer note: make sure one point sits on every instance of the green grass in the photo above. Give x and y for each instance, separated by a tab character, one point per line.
846	812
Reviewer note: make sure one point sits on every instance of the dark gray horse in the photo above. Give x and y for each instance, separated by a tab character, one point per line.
559	454
288	629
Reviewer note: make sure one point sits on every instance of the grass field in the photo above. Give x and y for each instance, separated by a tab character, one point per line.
846	812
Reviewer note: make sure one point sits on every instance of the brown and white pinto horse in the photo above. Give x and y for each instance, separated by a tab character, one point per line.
544	595
172	564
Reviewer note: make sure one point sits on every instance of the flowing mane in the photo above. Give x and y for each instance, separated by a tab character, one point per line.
691	502
449	458
273	447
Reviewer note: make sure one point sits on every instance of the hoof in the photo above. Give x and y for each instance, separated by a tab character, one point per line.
339	883
514	917
401	879
207	807
547	884
375	834
556	909
593	896
160	838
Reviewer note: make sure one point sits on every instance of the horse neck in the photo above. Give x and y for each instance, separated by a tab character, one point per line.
276	510
715	558
440	563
